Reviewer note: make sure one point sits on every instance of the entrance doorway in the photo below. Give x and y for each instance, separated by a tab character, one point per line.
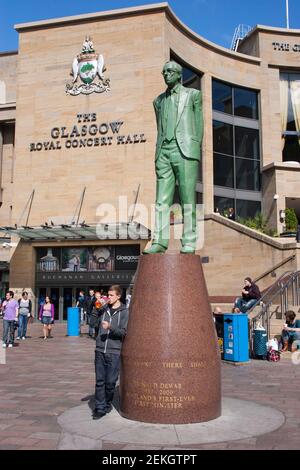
293	203
61	297
64	297
68	300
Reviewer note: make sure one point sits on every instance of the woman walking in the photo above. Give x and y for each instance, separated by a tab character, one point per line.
46	316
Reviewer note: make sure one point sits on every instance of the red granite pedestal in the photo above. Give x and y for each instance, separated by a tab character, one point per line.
170	370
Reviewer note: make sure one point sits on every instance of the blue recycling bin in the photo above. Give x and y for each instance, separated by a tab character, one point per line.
236	337
73	321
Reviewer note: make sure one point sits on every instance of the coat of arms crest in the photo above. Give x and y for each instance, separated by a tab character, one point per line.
87	65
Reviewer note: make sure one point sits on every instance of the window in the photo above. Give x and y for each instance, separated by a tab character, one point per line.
246	209
246	142
222	204
291	148
290	116
247	174
245	103
223	171
222	97
234	100
223	137
236	160
236	145
199	198
190	79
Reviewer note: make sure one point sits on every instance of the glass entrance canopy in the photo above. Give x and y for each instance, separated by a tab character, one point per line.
122	231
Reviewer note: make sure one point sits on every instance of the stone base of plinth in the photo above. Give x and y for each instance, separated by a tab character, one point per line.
170	371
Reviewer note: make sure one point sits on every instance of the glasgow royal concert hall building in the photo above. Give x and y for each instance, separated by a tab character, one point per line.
77	146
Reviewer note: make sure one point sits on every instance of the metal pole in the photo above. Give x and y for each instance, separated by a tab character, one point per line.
293	291
287	14
29	210
281	303
80	207
287	298
134	205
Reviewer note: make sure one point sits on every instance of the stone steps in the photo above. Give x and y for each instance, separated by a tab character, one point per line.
276	322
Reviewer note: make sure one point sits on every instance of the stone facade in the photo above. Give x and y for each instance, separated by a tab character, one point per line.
135	44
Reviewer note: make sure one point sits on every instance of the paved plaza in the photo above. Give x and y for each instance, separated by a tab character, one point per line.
47	387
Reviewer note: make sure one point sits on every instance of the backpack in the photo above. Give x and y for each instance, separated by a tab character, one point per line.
29	304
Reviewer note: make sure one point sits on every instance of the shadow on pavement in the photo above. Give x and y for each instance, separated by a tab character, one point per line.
91	400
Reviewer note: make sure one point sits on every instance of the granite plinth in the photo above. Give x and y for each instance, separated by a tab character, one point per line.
170	370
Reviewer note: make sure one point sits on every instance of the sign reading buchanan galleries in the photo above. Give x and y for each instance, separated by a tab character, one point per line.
87	133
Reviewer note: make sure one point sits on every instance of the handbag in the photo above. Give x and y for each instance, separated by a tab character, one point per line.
273	355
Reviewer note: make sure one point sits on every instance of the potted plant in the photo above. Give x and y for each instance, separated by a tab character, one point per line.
291	223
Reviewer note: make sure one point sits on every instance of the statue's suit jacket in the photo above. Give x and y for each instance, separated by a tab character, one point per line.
189	124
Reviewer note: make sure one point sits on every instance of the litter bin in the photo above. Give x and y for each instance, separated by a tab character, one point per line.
236	345
260	340
73	321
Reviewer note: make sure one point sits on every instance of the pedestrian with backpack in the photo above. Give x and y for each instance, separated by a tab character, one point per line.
25	307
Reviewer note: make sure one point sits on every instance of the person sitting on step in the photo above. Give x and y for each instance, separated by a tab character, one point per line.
250	296
290	332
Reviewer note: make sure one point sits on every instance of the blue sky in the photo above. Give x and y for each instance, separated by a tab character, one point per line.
213	19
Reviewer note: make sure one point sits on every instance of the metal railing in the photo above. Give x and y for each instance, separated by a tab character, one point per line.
274	268
286	290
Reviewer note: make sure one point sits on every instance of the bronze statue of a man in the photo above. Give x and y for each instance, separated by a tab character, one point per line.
180	130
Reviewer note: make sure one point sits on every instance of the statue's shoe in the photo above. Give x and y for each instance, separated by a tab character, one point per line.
188	250
155	248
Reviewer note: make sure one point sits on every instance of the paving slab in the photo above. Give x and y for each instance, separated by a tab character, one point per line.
73	442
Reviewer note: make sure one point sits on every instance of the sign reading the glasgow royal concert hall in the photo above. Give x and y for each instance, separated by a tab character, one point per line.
285	47
88	77
87	133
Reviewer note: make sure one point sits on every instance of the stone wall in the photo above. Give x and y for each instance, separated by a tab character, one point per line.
8	77
234	252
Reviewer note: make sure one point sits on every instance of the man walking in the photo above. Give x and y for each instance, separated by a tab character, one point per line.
10	309
113	319
80	304
89	303
180	130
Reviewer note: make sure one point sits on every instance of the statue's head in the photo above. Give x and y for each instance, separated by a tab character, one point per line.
172	73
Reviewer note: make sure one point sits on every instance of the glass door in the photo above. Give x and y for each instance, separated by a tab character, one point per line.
68	301
42	292
54	296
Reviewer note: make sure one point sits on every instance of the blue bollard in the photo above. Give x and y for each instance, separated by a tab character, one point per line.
73	321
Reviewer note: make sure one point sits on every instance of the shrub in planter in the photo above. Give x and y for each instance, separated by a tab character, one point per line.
291	221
